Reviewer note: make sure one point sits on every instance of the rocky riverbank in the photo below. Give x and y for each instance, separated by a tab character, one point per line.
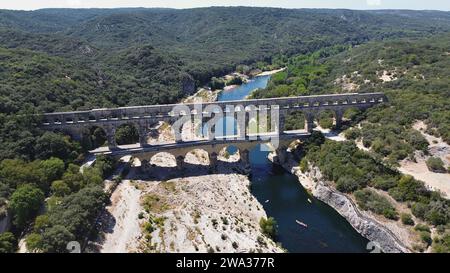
390	239
198	212
210	213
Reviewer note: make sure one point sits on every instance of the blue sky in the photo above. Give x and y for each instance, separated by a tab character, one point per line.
350	4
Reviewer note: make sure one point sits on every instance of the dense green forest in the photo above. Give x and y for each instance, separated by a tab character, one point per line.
415	75
416	80
62	59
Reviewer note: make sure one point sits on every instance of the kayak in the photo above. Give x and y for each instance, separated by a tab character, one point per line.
301	223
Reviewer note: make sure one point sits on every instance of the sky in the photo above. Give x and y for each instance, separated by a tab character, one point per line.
349	4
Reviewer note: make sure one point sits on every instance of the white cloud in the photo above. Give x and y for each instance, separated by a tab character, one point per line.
374	2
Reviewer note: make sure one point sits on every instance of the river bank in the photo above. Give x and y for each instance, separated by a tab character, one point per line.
198	213
205	94
389	239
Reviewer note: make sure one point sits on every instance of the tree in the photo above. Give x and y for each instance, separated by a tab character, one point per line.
16	172
55	239
105	164
409	189
8	242
235	81
127	134
25	202
41	223
52	168
268	227
216	83
52	145
75	214
60	188
34	242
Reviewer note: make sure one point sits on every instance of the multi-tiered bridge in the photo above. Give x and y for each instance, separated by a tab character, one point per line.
145	117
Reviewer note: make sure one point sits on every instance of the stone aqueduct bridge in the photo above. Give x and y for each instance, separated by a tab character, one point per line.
144	117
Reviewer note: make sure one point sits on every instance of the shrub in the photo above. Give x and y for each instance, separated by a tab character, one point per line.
370	200
352	134
384	182
442	245
407	219
346	184
421	227
235	81
216	83
149	227
303	165
409	189
418	210
268	227
326	123
435	164
8	243
425	236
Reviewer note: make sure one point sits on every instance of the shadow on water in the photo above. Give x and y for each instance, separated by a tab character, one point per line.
327	231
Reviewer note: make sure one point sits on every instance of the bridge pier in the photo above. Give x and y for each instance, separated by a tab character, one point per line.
309	122
245	159
213	161
180	162
145	166
281	123
111	137
242	124
143	135
339	114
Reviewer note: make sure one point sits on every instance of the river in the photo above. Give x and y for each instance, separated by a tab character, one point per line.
288	201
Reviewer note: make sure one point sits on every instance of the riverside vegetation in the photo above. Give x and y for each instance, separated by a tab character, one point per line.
57	60
417	89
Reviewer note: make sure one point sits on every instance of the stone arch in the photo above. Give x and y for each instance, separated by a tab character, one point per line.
351	113
163	159
325	118
127	133
230	153
93	137
197	157
165	131
251	152
295	120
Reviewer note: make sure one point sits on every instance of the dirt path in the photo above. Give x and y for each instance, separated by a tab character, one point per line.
124	225
419	169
